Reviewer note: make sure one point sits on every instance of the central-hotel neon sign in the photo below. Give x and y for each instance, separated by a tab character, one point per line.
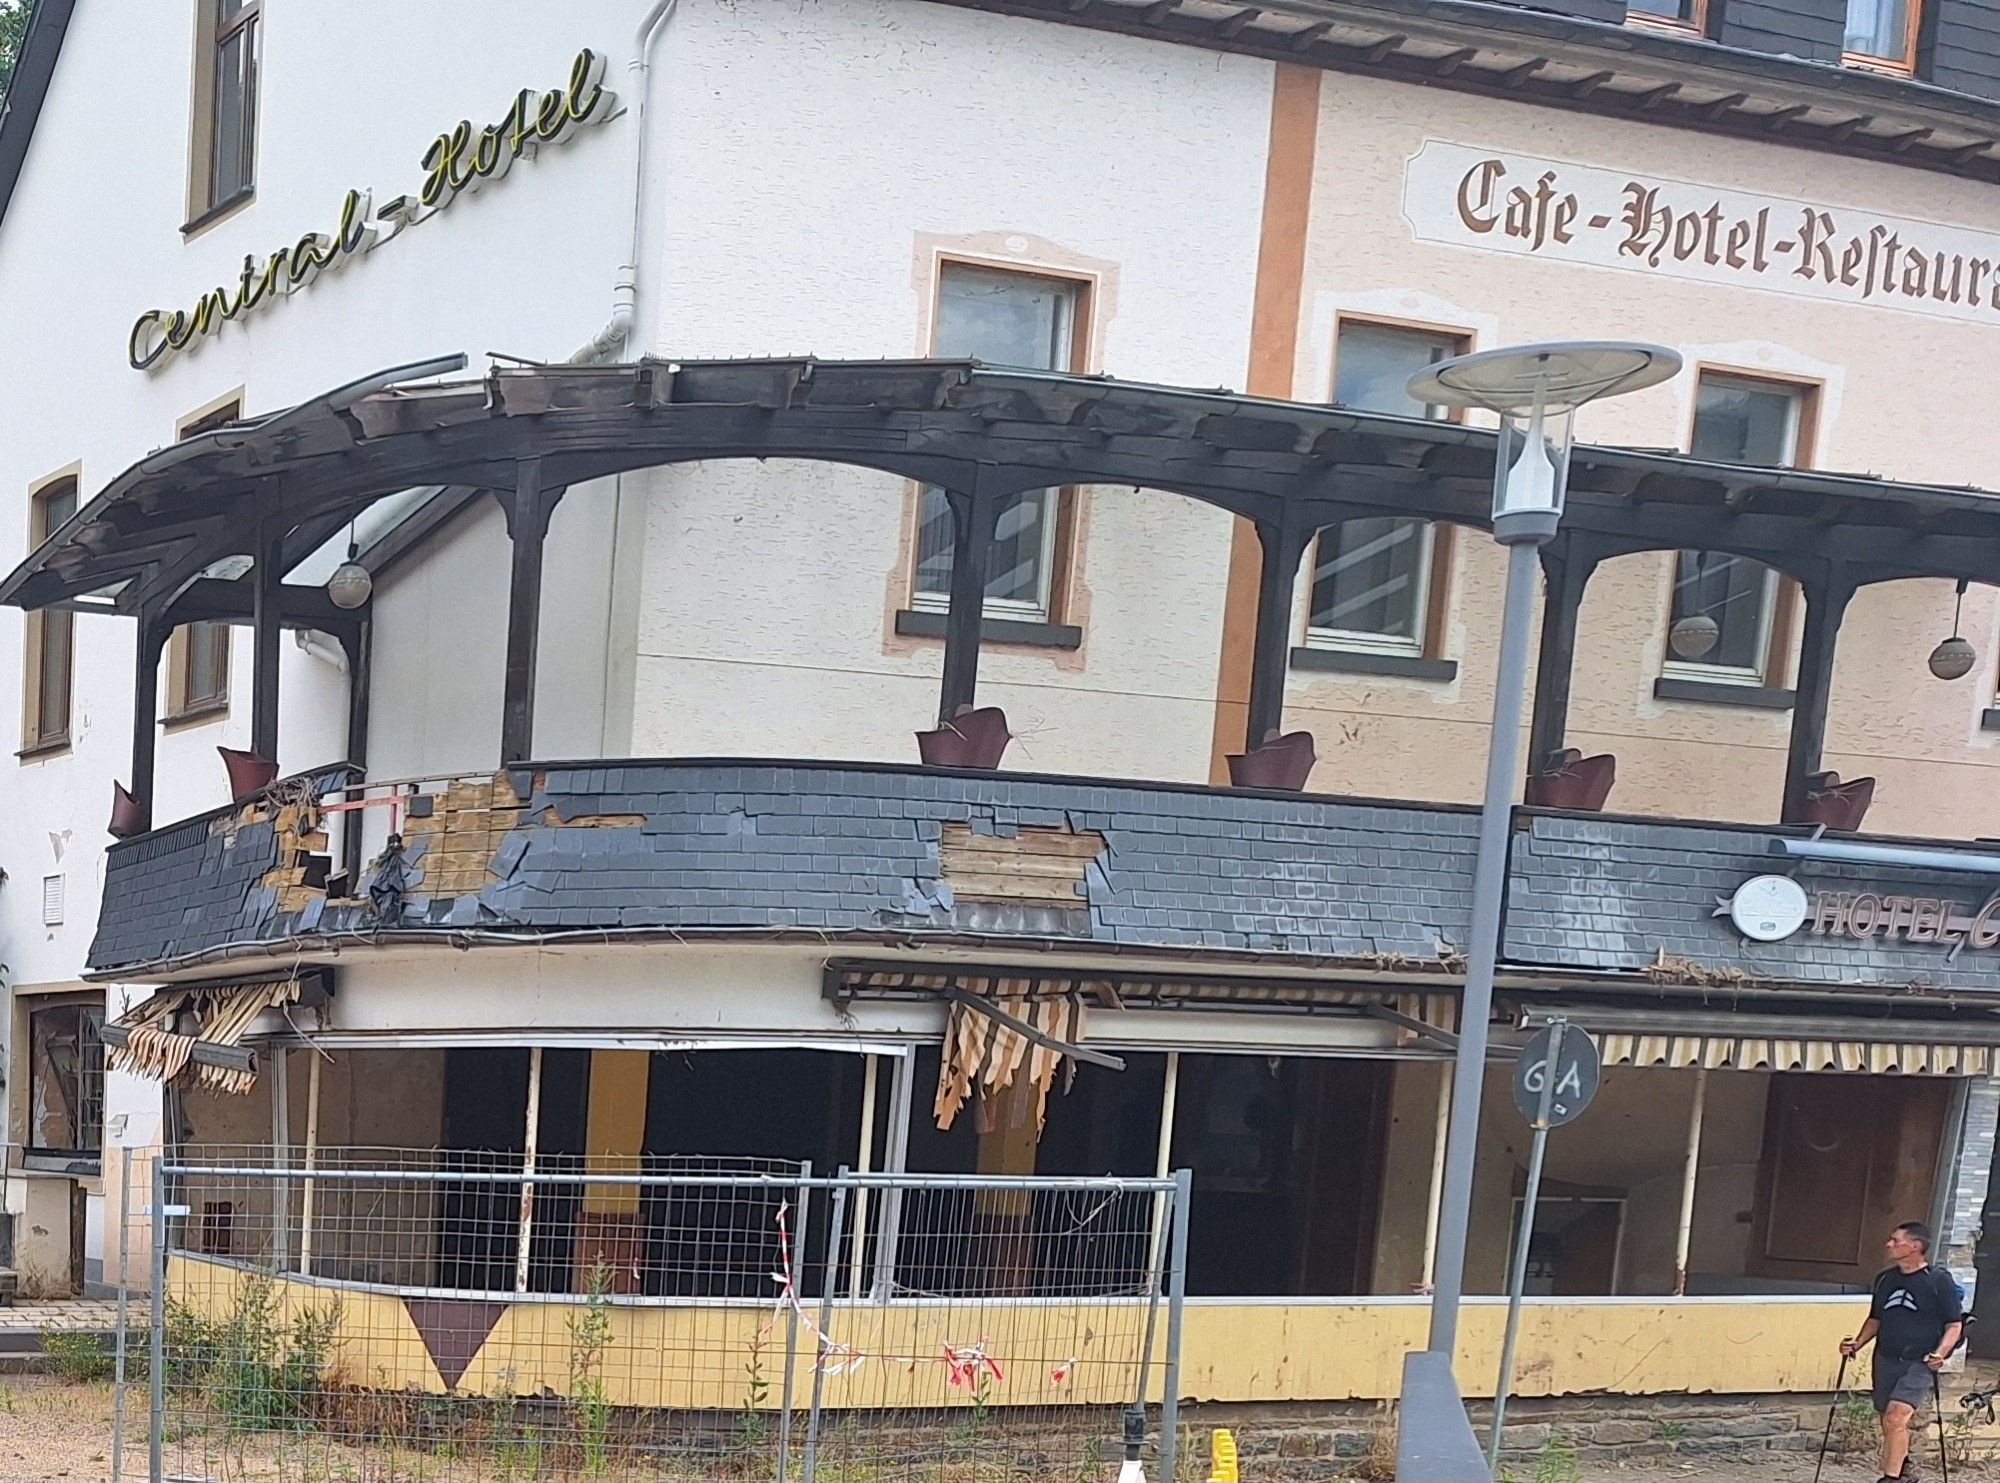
461	158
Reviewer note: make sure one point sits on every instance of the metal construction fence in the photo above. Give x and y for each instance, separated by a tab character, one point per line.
392	1315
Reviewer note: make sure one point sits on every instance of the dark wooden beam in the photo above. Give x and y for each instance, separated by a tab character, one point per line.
1567	564
1826	603
267	598
151	640
973	516
528	506
1284	543
210	600
358	643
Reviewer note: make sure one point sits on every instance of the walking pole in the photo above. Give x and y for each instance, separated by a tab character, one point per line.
1839	1388
1944	1452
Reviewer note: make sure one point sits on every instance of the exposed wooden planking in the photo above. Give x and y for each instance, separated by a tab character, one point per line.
1041	866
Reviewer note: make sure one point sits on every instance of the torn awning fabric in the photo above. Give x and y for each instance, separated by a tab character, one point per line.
1766	1053
983	1056
223	1014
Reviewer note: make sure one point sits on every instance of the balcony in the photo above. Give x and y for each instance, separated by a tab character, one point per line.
869	857
885	853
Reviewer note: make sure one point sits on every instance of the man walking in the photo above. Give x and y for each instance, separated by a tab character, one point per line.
1915	1321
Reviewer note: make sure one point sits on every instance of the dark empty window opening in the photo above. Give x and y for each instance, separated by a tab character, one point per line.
653	1116
485	1130
66	1081
1287	1156
1051	1243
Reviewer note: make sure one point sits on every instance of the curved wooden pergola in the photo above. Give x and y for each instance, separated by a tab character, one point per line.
276	489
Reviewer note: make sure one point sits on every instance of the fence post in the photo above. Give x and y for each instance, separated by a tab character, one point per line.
1170	1390
156	1370
820	1341
124	1307
794	1264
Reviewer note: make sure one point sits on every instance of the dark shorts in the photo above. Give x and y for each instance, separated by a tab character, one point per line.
1905	1380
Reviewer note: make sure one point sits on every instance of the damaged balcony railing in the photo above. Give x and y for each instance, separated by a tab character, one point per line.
445	1314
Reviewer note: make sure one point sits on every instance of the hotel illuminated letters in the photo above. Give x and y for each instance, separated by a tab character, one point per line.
1493	201
462	158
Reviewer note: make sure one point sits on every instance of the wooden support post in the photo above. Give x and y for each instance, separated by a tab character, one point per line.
152	640
266	622
1567	564
1436	1205
524	1236
865	1164
1826	603
311	1163
895	1155
1684	1235
357	641
281	1156
528	507
973	515
1283	542
1163	1153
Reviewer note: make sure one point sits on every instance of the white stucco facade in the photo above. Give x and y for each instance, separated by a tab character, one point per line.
805	173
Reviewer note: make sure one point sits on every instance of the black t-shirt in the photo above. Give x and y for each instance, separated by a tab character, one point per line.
1912	1310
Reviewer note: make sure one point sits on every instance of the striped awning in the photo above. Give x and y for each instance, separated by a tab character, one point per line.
140	1041
1745	1053
1147	991
983	1055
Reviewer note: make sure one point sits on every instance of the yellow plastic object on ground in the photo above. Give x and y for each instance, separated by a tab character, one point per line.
1221	1456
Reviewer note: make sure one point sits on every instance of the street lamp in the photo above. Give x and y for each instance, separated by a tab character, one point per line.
1535	390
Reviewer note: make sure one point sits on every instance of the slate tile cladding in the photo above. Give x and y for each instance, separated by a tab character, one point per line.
850	851
1611	895
853	850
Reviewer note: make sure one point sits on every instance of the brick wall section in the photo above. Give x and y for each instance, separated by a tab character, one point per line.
854	850
1609	894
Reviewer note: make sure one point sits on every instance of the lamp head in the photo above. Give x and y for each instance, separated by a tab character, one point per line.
1953	659
1535	391
350	585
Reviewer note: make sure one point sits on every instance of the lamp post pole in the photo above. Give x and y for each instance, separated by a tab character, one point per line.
1489	878
1536	390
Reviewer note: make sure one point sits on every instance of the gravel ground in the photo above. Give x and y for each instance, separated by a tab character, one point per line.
50	1431
54	1431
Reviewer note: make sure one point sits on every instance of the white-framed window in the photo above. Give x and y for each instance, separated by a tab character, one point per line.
1005	318
1371	583
1737	420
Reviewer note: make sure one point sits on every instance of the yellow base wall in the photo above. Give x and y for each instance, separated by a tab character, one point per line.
1332	1351
712	1357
